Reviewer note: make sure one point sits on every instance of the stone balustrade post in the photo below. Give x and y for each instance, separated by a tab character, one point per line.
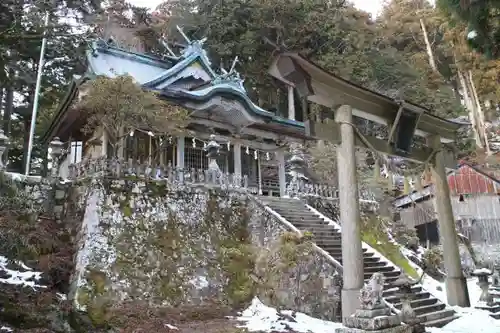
213	148
4	142
56	150
408	314
486	299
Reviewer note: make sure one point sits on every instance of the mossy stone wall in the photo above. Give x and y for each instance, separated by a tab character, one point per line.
191	246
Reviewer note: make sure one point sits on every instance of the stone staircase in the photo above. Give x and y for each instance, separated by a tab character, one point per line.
434	312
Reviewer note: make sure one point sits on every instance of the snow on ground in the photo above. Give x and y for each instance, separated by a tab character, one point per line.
261	318
26	278
471	320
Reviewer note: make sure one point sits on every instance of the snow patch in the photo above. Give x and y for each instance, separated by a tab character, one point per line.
482	271
261	318
27	278
172	327
472	34
471	320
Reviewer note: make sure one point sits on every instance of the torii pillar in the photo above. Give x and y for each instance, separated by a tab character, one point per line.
456	283
352	250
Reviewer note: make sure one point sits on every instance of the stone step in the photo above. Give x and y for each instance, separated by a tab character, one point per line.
390	294
416	295
441	322
283	205
495	315
416	303
388	279
429	308
309	221
312	226
432	312
369	261
295	217
337	254
294	212
437	315
329	240
298	208
331	246
381	269
392	274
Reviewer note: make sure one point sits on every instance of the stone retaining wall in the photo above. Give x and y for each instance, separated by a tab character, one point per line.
191	246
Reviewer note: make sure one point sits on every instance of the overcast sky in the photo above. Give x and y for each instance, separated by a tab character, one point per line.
371	6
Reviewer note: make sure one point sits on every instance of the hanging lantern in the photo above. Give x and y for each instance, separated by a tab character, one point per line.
228	145
247	151
194	142
255	154
267	156
170	140
131	133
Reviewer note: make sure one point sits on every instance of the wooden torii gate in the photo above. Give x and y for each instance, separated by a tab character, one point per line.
405	121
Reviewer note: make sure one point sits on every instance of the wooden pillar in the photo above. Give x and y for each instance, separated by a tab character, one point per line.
280	156
352	251
237	162
180	152
291	104
104	139
180	158
120	153
456	284
259	175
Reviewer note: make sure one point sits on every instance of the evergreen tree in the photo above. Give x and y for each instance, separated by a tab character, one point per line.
21	41
483	23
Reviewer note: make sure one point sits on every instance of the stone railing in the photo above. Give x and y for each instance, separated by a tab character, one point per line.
302	188
121	169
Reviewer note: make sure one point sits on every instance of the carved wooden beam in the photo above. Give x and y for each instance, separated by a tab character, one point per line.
330	131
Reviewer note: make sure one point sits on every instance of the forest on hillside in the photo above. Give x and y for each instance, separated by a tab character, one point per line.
412	50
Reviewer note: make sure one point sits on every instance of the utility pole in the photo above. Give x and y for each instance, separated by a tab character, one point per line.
41	63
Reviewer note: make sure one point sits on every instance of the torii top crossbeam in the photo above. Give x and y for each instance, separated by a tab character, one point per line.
403	118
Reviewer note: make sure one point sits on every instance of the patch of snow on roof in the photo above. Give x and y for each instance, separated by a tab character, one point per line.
261	318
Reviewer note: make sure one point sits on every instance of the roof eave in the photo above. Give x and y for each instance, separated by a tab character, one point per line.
62	109
440	124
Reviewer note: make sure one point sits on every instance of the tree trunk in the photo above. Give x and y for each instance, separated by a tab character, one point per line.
428	47
480	114
7	114
470	107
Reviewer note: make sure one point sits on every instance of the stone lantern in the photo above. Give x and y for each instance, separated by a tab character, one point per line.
4	142
297	165
483	282
213	149
495	283
408	315
56	150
